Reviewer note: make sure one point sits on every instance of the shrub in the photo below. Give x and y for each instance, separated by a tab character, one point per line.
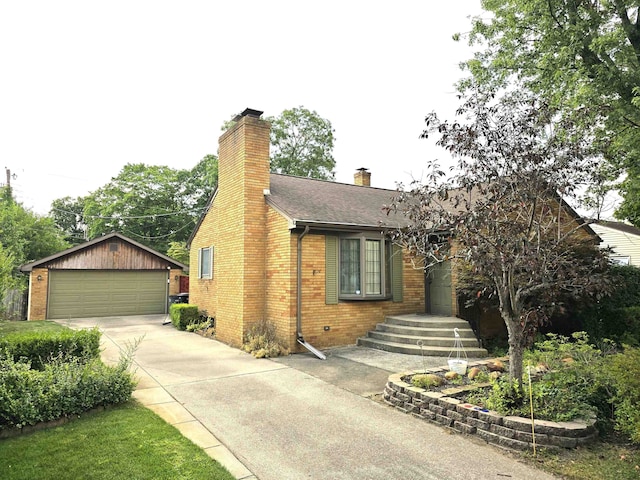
624	374
38	348
62	388
183	314
614	316
574	384
427	380
194	327
263	341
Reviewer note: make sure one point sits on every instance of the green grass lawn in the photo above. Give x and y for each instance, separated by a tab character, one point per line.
128	441
7	327
612	459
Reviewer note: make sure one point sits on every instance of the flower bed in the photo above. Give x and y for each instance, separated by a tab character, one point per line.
445	407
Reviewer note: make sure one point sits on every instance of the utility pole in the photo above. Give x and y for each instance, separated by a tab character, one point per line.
6	192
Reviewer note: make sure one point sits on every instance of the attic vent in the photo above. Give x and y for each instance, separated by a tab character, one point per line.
113	247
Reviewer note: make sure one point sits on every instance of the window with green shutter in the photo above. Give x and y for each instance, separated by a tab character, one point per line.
362	267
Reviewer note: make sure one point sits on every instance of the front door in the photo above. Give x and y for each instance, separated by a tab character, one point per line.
440	289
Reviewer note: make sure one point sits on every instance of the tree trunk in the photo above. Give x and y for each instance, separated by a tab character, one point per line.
516	350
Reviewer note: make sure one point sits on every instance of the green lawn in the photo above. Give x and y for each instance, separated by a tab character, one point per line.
128	441
7	327
612	459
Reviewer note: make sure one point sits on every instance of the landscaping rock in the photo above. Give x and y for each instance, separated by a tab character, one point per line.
496	366
451	375
473	373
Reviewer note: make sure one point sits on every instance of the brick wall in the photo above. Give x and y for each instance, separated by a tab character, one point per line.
281	265
506	431
236	227
38	294
174	283
202	291
347	320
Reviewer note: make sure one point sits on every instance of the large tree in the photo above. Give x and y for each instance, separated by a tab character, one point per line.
68	215
575	55
500	213
154	205
201	181
302	144
151	204
24	237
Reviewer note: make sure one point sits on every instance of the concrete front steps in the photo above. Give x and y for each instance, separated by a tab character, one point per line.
401	334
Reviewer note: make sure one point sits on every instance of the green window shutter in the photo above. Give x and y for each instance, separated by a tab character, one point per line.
396	273
331	269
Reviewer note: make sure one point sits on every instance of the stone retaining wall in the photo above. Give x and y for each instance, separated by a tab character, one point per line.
505	431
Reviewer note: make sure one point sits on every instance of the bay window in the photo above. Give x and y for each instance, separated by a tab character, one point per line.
364	268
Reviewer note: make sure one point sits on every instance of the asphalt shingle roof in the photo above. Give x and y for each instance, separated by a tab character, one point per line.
311	201
623	227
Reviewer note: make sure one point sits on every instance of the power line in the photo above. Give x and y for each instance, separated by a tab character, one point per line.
157	237
155	215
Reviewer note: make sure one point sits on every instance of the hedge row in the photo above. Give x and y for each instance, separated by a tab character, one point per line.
39	348
183	314
60	389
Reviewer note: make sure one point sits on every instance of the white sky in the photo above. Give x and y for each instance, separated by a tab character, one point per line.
87	87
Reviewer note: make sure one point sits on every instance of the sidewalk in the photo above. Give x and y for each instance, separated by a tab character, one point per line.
296	417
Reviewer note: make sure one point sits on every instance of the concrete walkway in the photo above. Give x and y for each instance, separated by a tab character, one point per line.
294	417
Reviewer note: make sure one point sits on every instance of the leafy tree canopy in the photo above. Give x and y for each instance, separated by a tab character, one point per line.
67	215
154	205
179	252
500	214
575	55
302	144
24	237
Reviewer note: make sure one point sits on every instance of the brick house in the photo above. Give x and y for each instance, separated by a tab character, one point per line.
308	255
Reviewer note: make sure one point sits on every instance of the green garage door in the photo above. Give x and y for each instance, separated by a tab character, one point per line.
106	293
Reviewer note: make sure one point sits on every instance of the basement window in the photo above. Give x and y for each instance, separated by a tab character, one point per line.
205	262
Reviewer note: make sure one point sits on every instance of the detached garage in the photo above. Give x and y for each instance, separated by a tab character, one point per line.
109	276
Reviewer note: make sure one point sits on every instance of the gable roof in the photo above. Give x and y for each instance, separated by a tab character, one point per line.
622	227
331	205
69	251
322	203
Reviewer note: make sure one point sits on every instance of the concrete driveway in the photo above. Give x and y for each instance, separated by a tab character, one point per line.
295	417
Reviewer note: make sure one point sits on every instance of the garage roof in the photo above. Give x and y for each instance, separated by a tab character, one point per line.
70	251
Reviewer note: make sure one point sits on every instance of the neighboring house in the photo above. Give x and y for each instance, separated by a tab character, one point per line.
623	239
110	275
311	256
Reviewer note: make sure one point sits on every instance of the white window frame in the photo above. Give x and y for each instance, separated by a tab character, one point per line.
620	259
384	268
205	253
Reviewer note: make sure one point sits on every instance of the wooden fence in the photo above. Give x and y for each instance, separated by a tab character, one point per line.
14	305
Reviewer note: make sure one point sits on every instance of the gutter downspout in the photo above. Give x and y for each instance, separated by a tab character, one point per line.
299	337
